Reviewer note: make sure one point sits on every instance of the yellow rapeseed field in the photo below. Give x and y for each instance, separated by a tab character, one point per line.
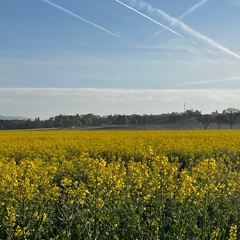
120	185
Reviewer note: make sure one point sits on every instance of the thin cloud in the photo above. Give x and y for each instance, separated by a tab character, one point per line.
107	83
49	102
193	8
145	16
208	81
82	19
188	30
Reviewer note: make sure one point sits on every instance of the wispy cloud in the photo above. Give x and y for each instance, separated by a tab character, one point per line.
109	83
82	19
185	28
193	8
49	102
229	79
145	16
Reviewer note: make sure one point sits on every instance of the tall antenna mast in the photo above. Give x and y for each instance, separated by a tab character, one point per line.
184	107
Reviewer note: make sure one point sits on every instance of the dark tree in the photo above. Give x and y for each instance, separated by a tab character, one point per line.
205	119
122	119
220	119
190	114
144	122
232	116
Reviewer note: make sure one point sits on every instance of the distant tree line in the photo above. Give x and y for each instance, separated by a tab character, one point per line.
230	117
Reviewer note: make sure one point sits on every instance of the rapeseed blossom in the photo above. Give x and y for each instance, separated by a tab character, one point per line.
119	185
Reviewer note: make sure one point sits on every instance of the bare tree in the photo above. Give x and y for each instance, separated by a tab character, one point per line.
232	116
205	119
220	119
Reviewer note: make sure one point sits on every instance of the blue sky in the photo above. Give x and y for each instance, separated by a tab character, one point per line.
112	56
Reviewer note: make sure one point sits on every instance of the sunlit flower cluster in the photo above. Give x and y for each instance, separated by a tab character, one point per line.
119	185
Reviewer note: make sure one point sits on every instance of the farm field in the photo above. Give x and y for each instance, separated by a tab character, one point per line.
120	184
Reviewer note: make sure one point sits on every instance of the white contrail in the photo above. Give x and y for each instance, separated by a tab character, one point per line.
193	8
158	23
175	22
83	19
208	81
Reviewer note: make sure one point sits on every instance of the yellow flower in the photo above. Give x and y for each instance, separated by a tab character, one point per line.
233	232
